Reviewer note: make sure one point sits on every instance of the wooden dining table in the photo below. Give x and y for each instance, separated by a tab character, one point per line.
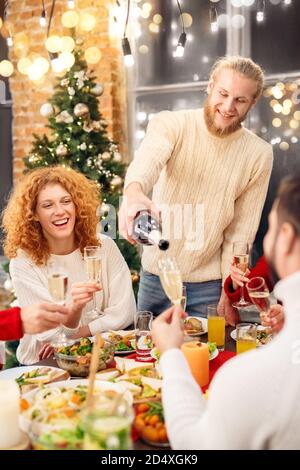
139	444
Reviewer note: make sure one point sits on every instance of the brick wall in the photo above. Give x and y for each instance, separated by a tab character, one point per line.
28	97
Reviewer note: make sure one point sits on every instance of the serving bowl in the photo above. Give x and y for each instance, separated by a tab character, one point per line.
77	361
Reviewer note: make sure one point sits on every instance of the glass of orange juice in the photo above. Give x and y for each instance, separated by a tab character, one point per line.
216	327
245	337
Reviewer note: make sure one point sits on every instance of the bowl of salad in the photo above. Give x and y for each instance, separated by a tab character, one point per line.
76	358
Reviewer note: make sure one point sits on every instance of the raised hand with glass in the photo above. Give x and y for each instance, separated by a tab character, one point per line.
241	252
58	285
92	261
170	278
260	295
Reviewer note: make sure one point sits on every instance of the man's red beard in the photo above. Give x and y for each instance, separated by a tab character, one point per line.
209	116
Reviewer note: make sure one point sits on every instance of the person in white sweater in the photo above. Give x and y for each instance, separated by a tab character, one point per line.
209	177
51	216
253	400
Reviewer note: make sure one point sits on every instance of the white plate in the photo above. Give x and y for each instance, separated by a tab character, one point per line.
105	335
204	324
15	372
259	327
214	354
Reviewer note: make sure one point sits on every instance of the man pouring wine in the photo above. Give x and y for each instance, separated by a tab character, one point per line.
202	159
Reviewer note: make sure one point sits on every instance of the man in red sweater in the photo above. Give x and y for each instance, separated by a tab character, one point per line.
14	322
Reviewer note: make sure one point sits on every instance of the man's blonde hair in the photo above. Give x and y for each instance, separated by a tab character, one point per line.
243	66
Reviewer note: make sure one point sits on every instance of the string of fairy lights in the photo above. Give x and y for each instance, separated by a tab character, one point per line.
129	19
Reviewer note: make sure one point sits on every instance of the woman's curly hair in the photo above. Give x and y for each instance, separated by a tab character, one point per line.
21	230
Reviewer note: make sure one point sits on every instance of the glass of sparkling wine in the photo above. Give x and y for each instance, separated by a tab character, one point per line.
143	338
259	294
58	285
92	261
170	278
183	298
241	253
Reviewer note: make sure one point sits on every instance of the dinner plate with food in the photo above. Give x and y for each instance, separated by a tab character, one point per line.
59	404
123	340
195	326
31	377
264	336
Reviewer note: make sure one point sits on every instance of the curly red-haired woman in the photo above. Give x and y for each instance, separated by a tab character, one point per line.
52	216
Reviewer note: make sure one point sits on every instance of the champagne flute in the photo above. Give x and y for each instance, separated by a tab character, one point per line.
92	260
183	298
170	278
241	251
259	294
58	285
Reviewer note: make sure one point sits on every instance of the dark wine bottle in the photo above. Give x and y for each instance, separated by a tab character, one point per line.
147	230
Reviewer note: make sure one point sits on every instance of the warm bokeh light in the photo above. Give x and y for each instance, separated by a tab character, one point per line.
147	6
53	44
277	108
70	19
277	93
154	28
67	44
57	65
23	65
294	124
280	85
6	68
287	103
87	21
284	146
187	20
297	115
42	64
157	19
276	122
67	59
34	72
273	103
92	55
143	49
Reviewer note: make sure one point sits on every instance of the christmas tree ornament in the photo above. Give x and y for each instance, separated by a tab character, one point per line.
65	117
87	127
33	158
71	91
61	150
46	110
116	181
96	126
89	162
117	157
82	146
97	90
135	277
81	110
106	156
64	82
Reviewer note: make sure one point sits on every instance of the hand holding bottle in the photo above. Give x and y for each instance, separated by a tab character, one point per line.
134	201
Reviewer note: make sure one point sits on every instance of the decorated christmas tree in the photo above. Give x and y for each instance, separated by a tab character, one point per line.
80	140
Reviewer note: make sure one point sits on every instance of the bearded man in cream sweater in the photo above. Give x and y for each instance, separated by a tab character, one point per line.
209	177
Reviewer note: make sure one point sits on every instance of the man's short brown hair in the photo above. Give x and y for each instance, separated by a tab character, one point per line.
288	208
